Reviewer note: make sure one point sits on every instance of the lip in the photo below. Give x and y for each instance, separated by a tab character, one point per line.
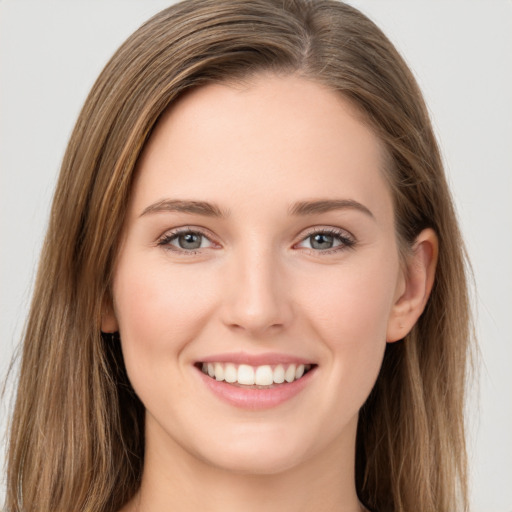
270	358
253	398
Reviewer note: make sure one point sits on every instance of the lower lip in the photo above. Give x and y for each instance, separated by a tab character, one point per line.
253	398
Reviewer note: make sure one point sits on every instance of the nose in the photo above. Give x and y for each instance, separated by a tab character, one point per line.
256	299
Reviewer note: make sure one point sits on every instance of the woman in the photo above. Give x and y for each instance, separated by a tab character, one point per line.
252	290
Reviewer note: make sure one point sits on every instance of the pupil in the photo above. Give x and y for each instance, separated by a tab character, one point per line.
189	241
321	241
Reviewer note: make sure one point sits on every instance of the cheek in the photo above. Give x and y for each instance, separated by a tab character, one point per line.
350	315
354	306
151	299
158	311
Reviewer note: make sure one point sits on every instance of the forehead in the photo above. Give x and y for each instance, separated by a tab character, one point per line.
280	136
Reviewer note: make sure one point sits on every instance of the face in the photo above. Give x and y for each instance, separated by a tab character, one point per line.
259	244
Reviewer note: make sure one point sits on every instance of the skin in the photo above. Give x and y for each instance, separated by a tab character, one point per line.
257	285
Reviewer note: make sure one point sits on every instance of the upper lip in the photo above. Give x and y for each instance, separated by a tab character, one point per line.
270	358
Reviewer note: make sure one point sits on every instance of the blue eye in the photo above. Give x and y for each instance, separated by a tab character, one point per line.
186	240
327	240
322	241
189	241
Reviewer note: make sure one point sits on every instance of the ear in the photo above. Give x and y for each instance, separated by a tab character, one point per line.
108	317
415	286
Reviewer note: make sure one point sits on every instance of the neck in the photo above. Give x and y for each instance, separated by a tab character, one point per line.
175	479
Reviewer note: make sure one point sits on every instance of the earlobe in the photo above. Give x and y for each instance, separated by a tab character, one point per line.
415	291
108	317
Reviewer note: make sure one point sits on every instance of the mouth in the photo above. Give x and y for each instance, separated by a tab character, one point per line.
255	377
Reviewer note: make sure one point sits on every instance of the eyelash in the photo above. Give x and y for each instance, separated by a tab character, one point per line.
347	241
168	237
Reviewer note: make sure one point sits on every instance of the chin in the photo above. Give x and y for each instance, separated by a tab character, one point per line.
257	464
255	455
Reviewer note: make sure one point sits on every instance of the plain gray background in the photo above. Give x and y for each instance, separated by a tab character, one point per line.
461	52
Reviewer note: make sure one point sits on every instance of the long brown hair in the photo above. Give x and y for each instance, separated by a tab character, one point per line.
77	433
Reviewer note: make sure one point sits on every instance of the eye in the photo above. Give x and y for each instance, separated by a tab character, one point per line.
327	240
185	240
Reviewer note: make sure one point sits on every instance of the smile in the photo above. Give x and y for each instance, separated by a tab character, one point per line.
260	377
256	386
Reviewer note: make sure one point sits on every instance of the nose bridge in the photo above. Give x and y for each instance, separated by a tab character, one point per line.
256	300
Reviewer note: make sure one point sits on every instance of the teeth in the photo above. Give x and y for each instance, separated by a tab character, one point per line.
289	374
279	374
264	375
245	374
230	373
219	371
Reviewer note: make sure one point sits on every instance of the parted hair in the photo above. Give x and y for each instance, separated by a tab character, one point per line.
77	432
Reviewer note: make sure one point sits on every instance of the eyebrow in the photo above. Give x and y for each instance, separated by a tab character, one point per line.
301	208
327	205
182	206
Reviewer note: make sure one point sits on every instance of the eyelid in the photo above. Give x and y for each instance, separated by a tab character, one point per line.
348	239
170	234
